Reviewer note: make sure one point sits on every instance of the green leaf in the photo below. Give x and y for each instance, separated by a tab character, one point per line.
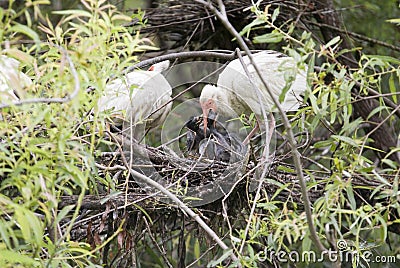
224	256
350	197
395	21
322	144
345	139
26	31
390	163
286	169
274	37
12	257
196	249
24	224
275	14
248	27
386	59
376	110
306	243
392	88
332	42
31	227
77	12
61	215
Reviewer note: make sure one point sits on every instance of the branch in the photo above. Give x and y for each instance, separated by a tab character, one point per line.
356	35
292	141
227	55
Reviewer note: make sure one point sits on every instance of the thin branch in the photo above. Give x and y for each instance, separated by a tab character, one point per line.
265	154
161	251
356	35
184	208
295	153
183	55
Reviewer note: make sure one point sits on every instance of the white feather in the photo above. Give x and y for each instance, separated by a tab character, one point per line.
235	89
135	96
11	80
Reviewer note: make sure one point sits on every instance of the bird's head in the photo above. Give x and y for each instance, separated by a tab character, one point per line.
209	98
159	67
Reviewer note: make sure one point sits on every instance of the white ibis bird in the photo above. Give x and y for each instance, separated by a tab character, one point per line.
12	81
139	97
234	88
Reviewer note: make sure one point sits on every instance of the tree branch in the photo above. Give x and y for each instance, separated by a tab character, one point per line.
292	141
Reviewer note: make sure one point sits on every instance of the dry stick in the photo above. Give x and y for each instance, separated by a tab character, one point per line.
264	157
295	153
177	201
161	251
182	55
356	35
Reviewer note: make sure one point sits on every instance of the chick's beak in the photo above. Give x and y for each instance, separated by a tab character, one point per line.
205	116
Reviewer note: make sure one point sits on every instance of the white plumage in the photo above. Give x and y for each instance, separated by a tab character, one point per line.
137	97
11	80
235	90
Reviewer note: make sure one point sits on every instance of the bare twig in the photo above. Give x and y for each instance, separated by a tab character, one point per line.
161	251
356	35
265	154
183	55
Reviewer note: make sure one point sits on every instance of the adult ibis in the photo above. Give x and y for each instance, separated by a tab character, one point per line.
235	90
13	82
139	97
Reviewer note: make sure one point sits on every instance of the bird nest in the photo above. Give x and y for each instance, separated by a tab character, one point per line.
212	162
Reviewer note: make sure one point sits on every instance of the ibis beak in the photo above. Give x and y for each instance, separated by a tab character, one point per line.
206	107
206	111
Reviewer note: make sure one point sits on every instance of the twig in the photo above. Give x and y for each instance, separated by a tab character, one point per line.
161	251
292	141
356	35
265	154
377	127
183	55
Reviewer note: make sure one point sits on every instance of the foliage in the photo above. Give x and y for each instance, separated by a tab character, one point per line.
370	18
48	150
344	153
